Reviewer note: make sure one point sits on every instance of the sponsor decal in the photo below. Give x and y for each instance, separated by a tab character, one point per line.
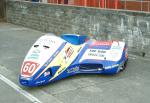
116	47
25	78
46	73
29	68
101	43
73	70
34	54
47	40
40	82
101	51
113	66
96	52
67	53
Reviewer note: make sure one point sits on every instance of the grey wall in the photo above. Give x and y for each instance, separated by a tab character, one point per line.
133	27
2	8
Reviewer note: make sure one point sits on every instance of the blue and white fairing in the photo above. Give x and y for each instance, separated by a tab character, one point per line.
52	58
101	57
43	52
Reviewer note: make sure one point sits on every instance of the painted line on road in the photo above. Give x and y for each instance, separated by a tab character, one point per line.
20	90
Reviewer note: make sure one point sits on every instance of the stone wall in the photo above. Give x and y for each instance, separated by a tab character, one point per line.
132	27
2	9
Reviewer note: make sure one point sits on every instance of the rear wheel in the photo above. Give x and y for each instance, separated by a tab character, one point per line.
123	65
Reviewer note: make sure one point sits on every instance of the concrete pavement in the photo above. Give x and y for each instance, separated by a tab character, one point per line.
129	86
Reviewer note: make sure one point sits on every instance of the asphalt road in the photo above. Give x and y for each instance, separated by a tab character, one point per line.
129	86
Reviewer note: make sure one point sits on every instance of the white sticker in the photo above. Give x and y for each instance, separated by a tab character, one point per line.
113	54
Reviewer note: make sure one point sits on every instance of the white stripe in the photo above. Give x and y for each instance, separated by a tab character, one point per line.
20	90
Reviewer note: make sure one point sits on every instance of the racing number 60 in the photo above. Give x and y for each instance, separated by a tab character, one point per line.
29	68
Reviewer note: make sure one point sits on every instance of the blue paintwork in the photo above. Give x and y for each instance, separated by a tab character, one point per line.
74	39
74	68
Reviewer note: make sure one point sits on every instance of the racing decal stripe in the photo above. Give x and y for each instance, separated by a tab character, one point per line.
50	60
63	62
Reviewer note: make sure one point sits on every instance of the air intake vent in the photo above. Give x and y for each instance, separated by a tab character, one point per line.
91	67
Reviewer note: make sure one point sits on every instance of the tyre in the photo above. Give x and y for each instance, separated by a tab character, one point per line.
123	66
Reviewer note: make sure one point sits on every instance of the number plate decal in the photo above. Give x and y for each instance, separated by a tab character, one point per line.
29	68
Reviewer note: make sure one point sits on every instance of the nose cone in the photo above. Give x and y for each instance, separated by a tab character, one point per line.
25	81
28	73
41	53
